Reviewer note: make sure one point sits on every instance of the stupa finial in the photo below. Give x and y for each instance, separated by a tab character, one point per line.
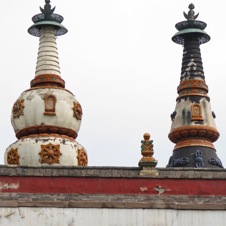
47	11
191	13
147	162
47	17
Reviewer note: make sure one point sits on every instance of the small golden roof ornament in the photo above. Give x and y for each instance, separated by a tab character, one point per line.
147	162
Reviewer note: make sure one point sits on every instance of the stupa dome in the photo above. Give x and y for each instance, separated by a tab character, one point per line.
38	150
46	110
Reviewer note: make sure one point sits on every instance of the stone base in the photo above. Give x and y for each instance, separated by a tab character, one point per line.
195	156
149	171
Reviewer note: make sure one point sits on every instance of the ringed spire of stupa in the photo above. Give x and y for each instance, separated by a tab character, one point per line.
47	25
193	128
46	118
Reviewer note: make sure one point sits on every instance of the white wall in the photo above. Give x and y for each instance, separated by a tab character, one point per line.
109	217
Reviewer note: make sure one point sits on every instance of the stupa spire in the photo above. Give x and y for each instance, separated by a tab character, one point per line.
47	25
46	118
193	128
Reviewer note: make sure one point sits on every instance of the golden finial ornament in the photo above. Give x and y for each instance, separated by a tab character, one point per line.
147	162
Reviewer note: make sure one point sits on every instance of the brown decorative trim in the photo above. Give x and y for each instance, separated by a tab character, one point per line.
50	153
77	109
48	87
18	108
44	135
192	87
47	80
46	129
194	131
194	142
82	157
50	105
13	157
192	84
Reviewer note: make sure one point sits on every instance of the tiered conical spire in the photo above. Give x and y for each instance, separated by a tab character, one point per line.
46	118
193	127
47	25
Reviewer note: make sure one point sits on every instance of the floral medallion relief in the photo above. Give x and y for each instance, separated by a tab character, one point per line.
50	153
18	108
77	109
13	157
82	157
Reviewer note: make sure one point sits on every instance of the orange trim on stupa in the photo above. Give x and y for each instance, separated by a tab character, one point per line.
194	142
49	80
194	131
48	129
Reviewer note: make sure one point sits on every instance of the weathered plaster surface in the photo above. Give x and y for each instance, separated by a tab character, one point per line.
109	217
7	186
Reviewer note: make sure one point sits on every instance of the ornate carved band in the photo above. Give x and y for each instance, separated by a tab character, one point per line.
47	135
46	129
192	87
48	80
194	142
196	132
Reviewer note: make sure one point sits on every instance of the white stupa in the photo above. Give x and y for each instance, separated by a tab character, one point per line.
46	118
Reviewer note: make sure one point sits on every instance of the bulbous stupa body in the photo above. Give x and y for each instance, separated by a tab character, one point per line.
46	118
193	127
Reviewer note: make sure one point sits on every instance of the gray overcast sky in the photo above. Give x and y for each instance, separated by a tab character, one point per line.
119	61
